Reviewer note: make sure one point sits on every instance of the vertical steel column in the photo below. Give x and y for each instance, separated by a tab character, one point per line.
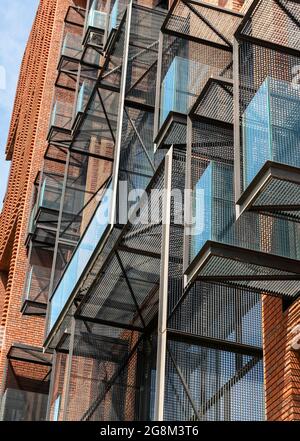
187	198
163	292
158	84
51	387
69	368
115	172
236	120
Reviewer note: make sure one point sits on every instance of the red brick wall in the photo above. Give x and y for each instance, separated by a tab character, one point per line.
282	362
26	146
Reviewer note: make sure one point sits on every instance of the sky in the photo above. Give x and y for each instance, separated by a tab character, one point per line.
15	23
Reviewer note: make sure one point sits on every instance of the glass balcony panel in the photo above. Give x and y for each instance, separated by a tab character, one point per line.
83	193
213	206
81	257
36	288
271	129
72	47
37	284
61	115
116	14
83	97
177	89
214	213
96	19
50	192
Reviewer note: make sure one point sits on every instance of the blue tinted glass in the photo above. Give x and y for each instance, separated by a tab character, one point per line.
256	133
96	19
174	89
271	129
80	258
202	210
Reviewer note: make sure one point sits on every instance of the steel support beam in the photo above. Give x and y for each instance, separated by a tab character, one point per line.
163	293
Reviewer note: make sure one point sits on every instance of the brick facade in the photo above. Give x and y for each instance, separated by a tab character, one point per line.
25	148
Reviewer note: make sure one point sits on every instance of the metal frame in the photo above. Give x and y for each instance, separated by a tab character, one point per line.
245	200
269	172
160	134
163	294
235	253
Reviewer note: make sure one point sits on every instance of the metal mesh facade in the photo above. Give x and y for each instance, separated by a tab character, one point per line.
268	60
156	282
216	384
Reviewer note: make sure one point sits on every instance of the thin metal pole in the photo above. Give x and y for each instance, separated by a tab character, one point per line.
118	143
187	199
69	368
163	293
236	119
51	387
158	84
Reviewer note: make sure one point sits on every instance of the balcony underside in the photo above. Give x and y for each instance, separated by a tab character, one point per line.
244	268
35	308
60	136
29	354
202	22
216	90
173	131
258	25
275	189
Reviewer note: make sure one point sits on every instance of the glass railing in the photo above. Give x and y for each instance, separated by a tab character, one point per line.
80	258
72	47
271	127
213	212
61	116
116	14
96	19
83	97
178	88
37	284
31	219
50	192
213	206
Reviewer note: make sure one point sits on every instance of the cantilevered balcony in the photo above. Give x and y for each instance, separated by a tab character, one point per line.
36	291
42	221
26	384
71	49
48	203
36	288
95	32
68	65
267	173
258	252
177	97
61	123
271	149
136	166
196	46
